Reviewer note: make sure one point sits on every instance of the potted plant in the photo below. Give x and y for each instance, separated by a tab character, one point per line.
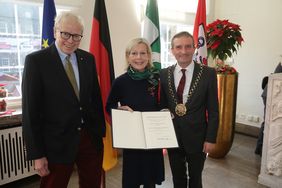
223	40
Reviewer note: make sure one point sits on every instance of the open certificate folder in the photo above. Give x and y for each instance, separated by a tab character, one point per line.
142	130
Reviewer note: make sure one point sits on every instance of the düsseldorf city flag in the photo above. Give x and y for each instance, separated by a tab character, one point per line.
199	33
49	13
100	47
151	31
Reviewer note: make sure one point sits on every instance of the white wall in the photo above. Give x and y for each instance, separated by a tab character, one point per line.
261	26
123	21
124	25
260	21
258	56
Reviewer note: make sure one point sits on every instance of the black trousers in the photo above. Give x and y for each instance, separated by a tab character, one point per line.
178	160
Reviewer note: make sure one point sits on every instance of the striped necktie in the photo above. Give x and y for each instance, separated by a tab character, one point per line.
71	76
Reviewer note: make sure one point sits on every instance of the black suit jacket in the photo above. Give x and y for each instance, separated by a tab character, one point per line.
196	127
52	114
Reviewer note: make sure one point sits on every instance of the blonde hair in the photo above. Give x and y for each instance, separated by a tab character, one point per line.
135	42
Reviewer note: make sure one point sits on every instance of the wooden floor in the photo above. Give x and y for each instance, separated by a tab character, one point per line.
239	169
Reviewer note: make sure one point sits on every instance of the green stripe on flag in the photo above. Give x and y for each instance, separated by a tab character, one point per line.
152	31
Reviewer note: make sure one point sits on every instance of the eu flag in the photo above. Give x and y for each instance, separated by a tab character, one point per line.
49	13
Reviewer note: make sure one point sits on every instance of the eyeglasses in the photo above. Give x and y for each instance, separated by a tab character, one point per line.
135	54
66	36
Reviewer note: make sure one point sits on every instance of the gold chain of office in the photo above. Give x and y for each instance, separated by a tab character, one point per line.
180	108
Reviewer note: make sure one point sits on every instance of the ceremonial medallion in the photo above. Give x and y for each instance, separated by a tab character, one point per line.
180	109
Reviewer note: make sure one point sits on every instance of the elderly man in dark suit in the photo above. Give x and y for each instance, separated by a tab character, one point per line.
63	120
189	91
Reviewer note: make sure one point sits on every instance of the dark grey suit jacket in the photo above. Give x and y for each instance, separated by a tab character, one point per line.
52	114
200	123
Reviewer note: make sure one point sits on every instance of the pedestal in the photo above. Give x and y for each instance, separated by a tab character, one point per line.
271	163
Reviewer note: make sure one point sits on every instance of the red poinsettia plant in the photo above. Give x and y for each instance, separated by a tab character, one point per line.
223	40
223	68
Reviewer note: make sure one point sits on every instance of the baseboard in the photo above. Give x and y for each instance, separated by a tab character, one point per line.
247	129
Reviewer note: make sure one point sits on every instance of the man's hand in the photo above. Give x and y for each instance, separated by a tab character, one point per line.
41	166
208	147
167	110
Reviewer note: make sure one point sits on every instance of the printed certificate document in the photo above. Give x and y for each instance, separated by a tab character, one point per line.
142	130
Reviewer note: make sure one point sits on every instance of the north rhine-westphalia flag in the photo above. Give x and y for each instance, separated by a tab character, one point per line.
49	13
199	33
151	31
100	47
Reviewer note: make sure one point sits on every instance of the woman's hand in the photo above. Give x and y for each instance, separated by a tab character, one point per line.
127	108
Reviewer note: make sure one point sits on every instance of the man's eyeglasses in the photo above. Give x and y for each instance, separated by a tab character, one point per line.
66	36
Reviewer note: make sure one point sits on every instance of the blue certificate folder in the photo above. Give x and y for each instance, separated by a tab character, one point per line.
142	130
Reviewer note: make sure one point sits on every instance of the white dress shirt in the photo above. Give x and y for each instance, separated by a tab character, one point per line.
188	73
73	63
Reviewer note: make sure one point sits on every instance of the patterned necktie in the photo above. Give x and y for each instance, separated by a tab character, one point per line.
71	76
181	86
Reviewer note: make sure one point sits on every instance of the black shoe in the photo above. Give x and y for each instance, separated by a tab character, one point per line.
149	186
258	151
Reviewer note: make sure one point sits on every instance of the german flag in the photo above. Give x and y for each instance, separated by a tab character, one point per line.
100	47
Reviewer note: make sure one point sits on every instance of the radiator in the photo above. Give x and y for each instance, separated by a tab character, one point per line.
13	164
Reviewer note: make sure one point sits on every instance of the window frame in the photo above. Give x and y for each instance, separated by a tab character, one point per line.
14	102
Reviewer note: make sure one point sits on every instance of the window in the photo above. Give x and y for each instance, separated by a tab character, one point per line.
174	16
167	30
4	62
20	34
3	27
